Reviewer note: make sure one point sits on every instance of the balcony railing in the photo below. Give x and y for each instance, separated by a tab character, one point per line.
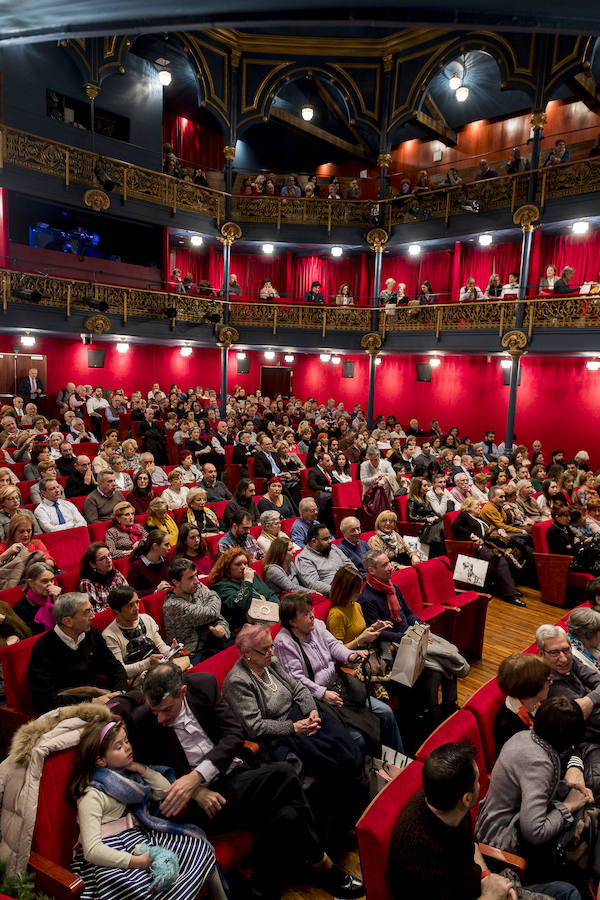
491	315
73	164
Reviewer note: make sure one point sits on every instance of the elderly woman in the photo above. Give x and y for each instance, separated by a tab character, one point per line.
198	513
282	716
309	653
158	517
7	477
190	473
584	631
142	494
175	495
122	478
54	441
593	514
149	569
190	545
98	576
129	450
10	503
133	637
39	453
345	619
271	529
377	470
528	805
525	679
585	487
16	552
419	509
276	500
479	488
387	540
124	534
279	571
35	607
237	584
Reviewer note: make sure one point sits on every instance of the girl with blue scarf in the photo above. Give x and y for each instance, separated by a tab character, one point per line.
128	850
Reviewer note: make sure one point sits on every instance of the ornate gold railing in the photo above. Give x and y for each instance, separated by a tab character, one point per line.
491	315
73	164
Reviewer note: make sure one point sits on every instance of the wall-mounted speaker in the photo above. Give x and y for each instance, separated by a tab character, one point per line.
423	372
506	376
96	359
348	369
243	366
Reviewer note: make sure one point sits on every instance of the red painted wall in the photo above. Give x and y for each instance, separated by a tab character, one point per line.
466	391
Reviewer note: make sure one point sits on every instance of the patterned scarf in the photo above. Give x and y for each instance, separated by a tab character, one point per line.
387	588
390	540
131	790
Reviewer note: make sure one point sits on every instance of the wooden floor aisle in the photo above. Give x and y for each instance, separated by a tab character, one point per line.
508	629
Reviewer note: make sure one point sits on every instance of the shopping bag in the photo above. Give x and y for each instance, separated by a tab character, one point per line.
470	570
380	770
415	546
410	655
263	611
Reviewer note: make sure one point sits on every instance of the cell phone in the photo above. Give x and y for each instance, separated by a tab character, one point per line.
172	652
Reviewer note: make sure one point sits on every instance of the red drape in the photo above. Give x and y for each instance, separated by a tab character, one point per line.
481	262
331	273
436	268
194	144
190	261
581	252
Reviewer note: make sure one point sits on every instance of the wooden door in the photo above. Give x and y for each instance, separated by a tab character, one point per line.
275	380
27	361
7	375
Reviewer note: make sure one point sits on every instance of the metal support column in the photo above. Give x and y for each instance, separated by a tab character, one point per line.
376	238
224	361
371	401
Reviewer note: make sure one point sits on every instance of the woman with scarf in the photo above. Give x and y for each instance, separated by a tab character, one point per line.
98	576
159	518
525	679
35	607
387	540
123	835
198	513
16	551
125	534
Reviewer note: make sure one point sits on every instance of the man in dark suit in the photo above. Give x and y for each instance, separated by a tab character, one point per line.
320	479
30	387
242	451
186	723
266	462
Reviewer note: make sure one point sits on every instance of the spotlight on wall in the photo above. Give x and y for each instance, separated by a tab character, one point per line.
462	93
454	83
27	340
337	251
289	358
593	365
485	240
122	347
506	363
434	362
414	249
267	248
580	227
269	354
336	360
164	76
378	361
101	176
325	357
240	355
196	240
30	296
185	351
86	339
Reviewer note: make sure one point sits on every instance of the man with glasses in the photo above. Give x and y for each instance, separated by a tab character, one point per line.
570	677
82	481
319	561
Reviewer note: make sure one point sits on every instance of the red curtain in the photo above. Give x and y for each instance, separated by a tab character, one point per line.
194	144
569	250
481	262
404	269
331	273
436	268
188	261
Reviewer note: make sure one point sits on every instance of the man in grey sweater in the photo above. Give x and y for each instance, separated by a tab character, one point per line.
317	564
570	677
99	505
192	613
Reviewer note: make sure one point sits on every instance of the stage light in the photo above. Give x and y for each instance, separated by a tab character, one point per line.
307	112
28	341
454	83
462	93
86	339
414	249
122	347
240	355
185	351
337	251
434	362
289	357
593	365
485	240
196	240
506	363
325	357
267	248
164	76
336	360
378	361
269	354
580	227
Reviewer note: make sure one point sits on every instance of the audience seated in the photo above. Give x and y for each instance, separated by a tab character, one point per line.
149	568
133	637
243	501
19	550
159	518
309	512
239	536
238	586
276	500
142	493
198	513
525	679
10	504
34	608
54	514
192	613
98	576
215	490
387	540
351	544
279	569
125	534
345	619
100	503
191	546
319	560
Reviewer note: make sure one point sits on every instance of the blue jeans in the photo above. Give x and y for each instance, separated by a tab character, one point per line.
560	890
390	735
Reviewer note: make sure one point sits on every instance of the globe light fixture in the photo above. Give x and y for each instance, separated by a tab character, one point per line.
307	112
164	76
454	83
462	93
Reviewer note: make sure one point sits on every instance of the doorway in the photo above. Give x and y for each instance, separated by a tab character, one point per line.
275	380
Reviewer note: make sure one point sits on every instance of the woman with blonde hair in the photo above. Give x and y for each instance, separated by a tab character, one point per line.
159	518
10	504
124	534
198	513
129	449
7	477
387	540
345	619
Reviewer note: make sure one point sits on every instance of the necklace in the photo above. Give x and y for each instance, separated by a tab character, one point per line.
268	681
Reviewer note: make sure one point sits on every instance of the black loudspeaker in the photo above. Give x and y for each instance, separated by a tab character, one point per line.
96	359
243	366
348	369
506	376
423	372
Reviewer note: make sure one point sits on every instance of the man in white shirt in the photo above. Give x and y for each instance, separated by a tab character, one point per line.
53	513
157	475
470	292
154	390
439	496
95	407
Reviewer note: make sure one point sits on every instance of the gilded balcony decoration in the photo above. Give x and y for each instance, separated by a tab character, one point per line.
579	177
305	316
486	315
300	211
515	342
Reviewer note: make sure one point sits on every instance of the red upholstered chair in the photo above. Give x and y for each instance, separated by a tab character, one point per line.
103	619
18	709
461	726
257	565
90	449
24	488
553	569
233	473
437	586
98	530
69	581
78	502
66	547
484	704
376	825
153	605
219	664
212	541
433	613
321	607
347	498
286	525
402	525
18	469
454	547
122	564
366	535
218	507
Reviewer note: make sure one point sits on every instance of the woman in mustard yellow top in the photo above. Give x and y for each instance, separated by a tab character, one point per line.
158	517
345	619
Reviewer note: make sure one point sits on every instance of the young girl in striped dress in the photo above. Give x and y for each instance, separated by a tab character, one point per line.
114	798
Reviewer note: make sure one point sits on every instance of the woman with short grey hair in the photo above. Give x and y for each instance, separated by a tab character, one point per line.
271	528
584	632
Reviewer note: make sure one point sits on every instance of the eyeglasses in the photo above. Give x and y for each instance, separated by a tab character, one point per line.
268	652
554	654
104	558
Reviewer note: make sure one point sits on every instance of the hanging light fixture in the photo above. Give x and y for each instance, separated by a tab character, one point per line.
462	93
307	110
164	76
454	82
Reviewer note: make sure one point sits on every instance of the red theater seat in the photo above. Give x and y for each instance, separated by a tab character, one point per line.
219	664
453	547
347	498
15	670
460	727
218	507
98	530
24	488
212	541
553	569
434	614
437	586
484	704
403	526
153	605
67	547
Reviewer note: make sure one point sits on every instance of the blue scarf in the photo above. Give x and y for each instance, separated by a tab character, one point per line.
131	790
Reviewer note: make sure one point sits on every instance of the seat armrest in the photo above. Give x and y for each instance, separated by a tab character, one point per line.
509	859
53	879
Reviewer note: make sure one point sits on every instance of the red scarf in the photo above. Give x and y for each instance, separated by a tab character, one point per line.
387	588
525	716
133	531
